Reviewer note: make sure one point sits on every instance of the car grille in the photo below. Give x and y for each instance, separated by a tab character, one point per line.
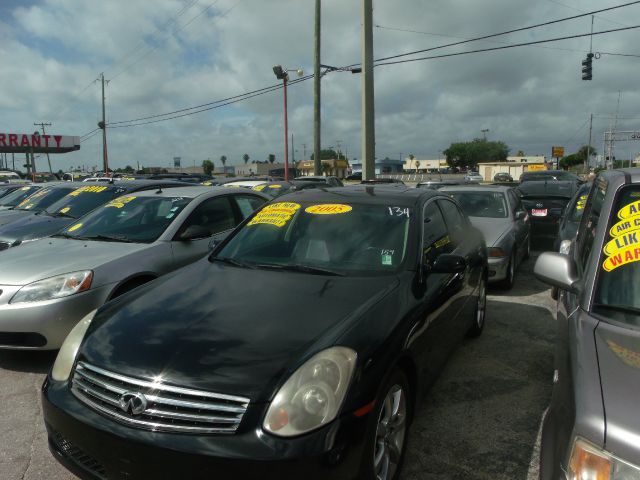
155	406
72	452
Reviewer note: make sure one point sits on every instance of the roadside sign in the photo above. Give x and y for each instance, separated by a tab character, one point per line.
536	167
557	152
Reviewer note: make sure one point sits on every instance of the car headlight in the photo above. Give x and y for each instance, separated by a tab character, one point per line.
54	287
69	349
590	462
313	395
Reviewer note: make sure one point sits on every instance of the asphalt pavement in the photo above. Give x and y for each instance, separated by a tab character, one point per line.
480	420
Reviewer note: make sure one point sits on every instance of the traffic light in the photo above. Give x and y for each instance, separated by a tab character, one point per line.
586	67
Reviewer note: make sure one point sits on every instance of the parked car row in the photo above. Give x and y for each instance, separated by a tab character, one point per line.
252	331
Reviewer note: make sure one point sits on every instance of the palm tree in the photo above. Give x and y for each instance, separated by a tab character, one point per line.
417	165
326	168
272	158
245	157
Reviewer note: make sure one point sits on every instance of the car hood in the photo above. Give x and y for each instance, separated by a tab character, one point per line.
619	362
227	329
8	216
492	228
49	257
33	227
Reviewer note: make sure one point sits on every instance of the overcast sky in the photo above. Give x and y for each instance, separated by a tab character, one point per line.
165	55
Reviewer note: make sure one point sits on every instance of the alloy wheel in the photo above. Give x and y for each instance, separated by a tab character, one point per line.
390	434
482	304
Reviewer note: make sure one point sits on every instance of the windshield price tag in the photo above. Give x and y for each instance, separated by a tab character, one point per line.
74	227
276	214
399	211
328	209
258	188
119	202
92	189
624	247
64	210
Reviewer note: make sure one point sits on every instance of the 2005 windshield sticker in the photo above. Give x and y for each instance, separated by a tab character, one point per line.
276	214
624	247
328	209
119	202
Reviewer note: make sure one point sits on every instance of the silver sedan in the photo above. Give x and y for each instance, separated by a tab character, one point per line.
48	285
498	212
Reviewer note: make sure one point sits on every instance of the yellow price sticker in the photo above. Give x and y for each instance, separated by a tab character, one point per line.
92	189
276	214
74	227
328	209
65	209
120	202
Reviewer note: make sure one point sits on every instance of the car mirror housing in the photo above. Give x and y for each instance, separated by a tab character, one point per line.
521	215
448	263
558	270
195	232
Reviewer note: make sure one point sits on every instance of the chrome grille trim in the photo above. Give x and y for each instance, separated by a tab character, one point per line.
169	408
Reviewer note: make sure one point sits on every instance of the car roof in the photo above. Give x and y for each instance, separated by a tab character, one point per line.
362	194
189	192
477	188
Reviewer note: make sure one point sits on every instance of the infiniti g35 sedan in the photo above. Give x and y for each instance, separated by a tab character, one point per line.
47	286
592	428
298	349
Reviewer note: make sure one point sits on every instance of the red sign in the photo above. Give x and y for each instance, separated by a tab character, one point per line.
24	143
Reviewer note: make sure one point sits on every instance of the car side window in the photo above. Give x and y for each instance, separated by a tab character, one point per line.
435	238
247	204
589	223
215	214
455	221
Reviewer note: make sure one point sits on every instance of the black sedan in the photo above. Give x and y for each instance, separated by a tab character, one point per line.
298	349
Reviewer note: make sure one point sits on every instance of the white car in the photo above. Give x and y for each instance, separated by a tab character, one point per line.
473	177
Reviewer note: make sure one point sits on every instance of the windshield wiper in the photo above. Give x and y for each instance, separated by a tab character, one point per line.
66	235
106	238
296	267
619	308
230	261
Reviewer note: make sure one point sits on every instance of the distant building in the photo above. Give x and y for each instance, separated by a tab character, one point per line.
423	165
489	169
334	167
252	169
384	166
199	170
527	159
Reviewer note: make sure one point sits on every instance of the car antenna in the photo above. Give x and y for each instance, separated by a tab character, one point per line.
159	190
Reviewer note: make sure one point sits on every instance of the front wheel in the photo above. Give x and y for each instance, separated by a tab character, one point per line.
507	283
481	310
387	437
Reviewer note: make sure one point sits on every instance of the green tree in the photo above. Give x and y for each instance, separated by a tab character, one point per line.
223	160
272	158
245	157
521	154
207	166
469	154
577	158
326	168
417	165
330	154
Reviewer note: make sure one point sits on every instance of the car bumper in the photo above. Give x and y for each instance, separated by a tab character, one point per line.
545	225
94	447
44	325
498	269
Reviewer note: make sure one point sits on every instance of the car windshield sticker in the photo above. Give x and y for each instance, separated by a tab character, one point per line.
24	189
119	202
74	227
581	202
208	184
628	356
231	185
399	211
275	186
624	247
328	209
258	188
386	259
276	214
94	189
65	209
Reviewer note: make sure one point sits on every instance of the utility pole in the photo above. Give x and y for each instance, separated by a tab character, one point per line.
316	94
338	149
588	159
293	152
304	151
368	120
42	124
13	160
103	125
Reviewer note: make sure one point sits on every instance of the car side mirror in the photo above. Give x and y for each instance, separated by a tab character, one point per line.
521	215
448	263
195	232
558	270
217	240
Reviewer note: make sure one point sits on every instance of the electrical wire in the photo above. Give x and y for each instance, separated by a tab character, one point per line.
492	49
580	10
566	142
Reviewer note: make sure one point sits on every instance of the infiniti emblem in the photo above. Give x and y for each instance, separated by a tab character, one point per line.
133	403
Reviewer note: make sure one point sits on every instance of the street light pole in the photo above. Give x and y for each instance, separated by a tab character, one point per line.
286	131
368	120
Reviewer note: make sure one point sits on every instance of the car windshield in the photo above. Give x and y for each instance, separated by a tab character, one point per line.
482	204
82	200
619	278
17	196
578	208
129	219
43	198
548	175
338	239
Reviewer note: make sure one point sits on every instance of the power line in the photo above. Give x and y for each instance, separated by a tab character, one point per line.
580	10
492	49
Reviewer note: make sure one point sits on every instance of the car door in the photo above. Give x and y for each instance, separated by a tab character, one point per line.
217	214
431	337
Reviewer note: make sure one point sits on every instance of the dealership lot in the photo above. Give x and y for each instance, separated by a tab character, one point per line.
480	419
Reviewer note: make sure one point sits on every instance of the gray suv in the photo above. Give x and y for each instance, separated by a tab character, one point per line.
592	429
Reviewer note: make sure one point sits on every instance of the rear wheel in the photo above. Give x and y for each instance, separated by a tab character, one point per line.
527	251
388	431
481	310
507	283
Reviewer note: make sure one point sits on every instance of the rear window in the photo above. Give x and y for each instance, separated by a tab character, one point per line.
482	204
17	196
619	277
82	200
